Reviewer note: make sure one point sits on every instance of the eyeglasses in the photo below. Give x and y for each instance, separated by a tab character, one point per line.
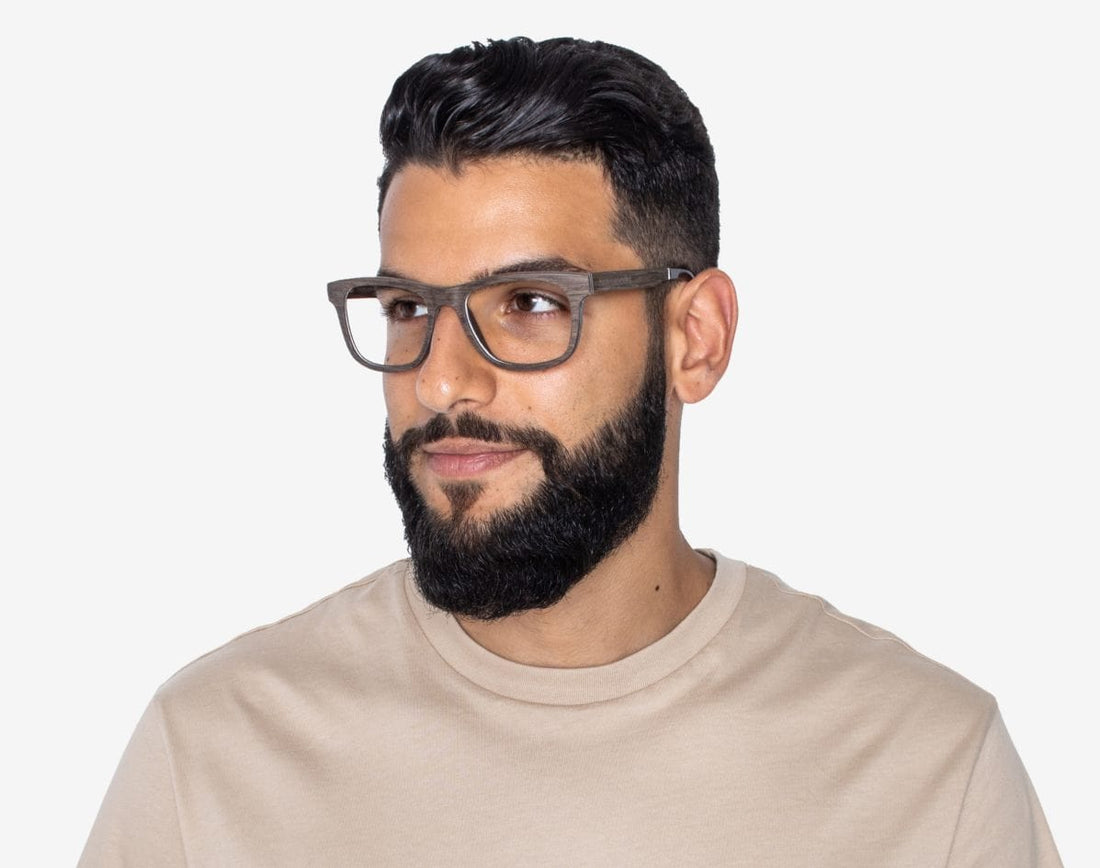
524	321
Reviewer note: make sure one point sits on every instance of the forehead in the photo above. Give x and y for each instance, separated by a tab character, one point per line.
443	226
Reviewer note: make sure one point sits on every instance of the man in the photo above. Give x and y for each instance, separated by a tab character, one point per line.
557	677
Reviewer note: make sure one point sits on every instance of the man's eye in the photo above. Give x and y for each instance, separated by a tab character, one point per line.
536	302
403	309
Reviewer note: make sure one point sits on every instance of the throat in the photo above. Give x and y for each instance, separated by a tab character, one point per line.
613	613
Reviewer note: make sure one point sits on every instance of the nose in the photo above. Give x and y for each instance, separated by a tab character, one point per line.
454	376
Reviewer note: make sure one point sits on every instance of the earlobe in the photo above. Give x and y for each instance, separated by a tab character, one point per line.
701	321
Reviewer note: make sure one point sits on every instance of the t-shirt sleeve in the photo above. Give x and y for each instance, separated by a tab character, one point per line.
1001	823
138	824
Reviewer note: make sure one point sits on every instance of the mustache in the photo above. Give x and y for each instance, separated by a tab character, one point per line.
539	441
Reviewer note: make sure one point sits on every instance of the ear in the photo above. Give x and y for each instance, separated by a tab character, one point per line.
700	319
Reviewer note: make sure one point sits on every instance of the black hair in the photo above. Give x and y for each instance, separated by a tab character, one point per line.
569	99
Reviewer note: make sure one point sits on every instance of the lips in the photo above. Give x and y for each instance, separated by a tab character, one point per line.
459	457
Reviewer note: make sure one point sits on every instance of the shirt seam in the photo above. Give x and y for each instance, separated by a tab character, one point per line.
172	779
841	619
969	782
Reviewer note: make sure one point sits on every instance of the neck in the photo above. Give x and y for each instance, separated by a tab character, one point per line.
635	596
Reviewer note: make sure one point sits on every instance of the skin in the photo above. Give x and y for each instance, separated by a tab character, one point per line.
444	228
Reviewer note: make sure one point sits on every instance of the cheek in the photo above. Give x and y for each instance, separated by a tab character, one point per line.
574	399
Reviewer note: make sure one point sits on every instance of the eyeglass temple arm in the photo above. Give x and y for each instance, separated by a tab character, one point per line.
635	279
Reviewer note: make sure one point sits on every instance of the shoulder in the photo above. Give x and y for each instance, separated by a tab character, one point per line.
836	659
360	621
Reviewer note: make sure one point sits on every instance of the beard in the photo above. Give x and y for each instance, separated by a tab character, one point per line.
528	556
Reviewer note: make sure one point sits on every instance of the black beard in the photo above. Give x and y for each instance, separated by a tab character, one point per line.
528	556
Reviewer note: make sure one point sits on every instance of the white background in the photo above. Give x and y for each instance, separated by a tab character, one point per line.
910	211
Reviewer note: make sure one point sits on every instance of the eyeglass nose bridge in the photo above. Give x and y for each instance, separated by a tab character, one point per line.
458	300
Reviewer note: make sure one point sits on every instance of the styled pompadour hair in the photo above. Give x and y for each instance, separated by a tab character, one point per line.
568	99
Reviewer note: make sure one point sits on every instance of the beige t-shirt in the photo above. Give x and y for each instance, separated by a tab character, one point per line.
766	729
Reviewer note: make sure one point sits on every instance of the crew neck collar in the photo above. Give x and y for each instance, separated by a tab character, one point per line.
579	686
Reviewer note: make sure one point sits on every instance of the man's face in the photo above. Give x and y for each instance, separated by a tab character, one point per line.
592	421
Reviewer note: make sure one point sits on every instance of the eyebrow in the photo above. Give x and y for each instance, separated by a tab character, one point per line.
553	263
